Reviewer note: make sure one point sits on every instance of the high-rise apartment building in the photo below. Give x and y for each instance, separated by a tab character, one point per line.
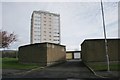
45	27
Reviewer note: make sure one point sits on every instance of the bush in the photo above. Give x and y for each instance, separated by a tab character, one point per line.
9	54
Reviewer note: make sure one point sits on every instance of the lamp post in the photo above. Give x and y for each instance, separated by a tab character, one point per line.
106	43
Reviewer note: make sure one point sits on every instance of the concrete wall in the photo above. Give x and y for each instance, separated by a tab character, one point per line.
55	54
41	53
34	53
69	56
73	55
94	50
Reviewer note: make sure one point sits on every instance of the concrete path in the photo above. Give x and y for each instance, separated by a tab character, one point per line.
70	69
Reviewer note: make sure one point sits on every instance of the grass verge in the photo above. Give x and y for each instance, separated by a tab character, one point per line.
12	63
103	67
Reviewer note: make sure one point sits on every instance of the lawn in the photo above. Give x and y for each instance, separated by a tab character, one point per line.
12	63
102	67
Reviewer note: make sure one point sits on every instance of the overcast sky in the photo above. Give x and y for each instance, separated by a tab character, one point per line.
79	20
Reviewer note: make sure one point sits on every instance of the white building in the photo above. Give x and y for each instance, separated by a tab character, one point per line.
45	27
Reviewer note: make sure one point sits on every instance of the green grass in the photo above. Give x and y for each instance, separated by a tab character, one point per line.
0	63
102	67
12	63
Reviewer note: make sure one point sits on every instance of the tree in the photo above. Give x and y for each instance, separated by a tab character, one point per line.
7	38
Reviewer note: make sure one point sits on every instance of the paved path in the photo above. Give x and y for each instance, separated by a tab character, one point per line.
69	69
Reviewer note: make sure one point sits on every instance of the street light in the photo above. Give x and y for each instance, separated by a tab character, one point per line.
106	43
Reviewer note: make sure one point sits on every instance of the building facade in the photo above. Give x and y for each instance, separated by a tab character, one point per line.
45	27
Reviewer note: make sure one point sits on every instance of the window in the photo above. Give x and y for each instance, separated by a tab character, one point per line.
44	31
56	36
55	39
35	24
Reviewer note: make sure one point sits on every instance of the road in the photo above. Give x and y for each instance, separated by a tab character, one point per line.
70	69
